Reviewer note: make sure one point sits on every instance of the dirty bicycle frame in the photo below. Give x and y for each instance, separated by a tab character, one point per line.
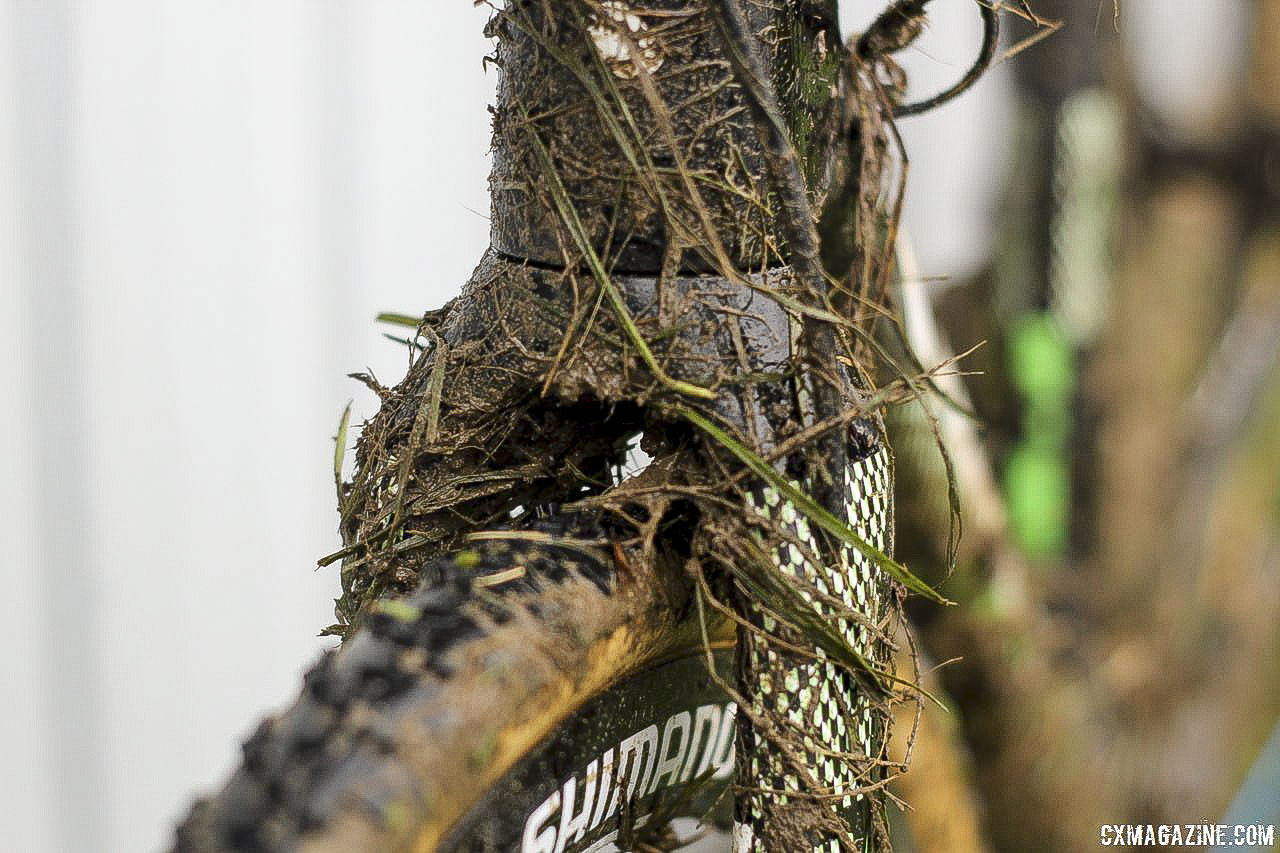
694	207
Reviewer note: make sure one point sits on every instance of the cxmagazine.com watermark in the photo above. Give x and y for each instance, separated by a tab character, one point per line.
1208	835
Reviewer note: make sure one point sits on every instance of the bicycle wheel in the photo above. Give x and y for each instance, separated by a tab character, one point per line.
542	698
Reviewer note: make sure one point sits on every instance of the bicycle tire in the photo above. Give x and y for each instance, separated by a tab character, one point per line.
434	727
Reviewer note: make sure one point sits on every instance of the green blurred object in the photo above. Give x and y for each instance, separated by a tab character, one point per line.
1037	481
1042	362
1037	489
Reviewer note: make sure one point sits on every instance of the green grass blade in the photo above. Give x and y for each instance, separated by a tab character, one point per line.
769	584
340	448
811	508
393	319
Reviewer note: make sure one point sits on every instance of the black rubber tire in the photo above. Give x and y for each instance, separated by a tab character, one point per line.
454	714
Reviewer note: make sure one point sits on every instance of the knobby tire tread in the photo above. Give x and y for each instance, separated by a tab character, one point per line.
298	767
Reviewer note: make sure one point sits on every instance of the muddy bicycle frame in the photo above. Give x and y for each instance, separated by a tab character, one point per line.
655	270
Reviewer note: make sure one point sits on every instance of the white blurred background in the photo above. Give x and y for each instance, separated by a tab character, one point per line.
202	207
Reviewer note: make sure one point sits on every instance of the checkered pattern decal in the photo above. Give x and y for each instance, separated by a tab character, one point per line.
818	696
